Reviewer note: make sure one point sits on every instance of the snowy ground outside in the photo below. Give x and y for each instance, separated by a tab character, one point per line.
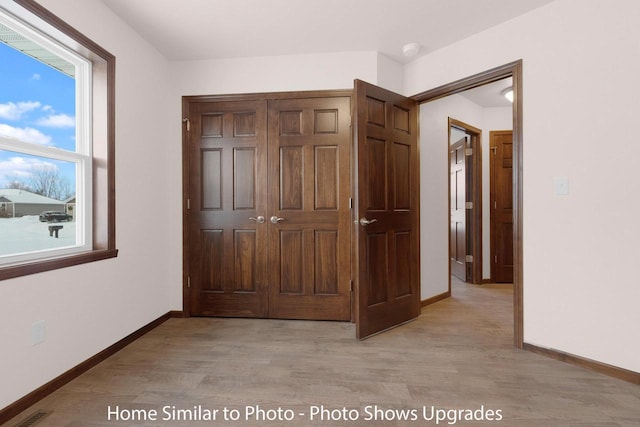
28	234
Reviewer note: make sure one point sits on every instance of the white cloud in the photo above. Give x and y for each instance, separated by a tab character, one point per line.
13	111
25	134
35	76
58	121
20	167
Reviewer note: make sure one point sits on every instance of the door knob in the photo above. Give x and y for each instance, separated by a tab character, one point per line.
259	219
276	219
364	221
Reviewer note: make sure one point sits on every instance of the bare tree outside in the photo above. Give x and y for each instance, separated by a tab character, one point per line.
45	180
16	184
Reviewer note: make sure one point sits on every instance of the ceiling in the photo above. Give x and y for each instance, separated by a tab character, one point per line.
490	95
213	29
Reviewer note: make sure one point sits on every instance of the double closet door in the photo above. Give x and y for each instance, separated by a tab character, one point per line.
268	216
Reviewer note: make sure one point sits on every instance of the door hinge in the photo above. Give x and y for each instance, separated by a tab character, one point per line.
188	122
468	151
494	150
468	258
351	285
350	203
495	259
188	281
188	204
468	205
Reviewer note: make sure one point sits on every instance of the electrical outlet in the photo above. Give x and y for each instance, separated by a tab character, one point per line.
38	332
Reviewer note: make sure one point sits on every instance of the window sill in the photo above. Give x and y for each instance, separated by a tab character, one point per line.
54	264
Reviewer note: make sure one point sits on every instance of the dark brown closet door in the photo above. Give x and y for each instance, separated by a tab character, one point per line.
228	239
309	214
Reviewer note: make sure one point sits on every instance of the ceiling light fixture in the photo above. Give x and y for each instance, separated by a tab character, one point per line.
410	49
508	93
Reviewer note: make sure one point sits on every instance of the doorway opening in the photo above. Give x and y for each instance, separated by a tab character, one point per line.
514	72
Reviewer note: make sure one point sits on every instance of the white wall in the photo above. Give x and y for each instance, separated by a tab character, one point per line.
273	73
390	74
89	307
581	290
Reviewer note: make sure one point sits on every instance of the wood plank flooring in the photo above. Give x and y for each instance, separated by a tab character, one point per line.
457	355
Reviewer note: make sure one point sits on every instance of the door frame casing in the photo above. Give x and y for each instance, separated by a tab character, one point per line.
473	192
513	70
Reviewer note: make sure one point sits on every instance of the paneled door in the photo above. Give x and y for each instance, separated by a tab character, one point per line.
501	165
458	211
227	204
309	215
269	207
387	224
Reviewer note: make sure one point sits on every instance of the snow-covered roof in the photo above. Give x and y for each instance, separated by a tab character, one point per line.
23	196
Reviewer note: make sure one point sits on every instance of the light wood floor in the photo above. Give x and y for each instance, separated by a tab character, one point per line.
457	355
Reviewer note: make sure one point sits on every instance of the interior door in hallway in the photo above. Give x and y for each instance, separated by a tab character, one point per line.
387	227
501	165
227	232
309	214
458	211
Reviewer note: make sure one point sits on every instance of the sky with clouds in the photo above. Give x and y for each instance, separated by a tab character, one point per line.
37	104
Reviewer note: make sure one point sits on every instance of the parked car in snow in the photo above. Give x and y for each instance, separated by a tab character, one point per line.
54	216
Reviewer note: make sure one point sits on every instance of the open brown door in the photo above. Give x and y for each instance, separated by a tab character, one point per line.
387	227
458	210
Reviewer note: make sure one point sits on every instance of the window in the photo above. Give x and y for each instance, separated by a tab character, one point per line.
56	143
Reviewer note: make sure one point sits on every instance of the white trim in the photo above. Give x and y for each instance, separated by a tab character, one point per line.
33	149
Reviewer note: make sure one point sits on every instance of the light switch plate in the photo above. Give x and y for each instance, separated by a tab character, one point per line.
561	185
38	332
